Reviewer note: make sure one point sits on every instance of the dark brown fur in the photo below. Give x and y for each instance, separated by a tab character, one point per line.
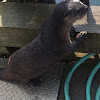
49	47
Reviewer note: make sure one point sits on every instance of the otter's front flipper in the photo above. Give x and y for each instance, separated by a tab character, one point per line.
81	37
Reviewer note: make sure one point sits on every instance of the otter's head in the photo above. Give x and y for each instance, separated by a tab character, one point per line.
69	11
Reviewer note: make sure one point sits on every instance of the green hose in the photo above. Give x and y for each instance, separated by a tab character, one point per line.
66	88
98	94
89	82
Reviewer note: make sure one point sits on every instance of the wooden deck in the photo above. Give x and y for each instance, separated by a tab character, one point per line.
91	24
21	23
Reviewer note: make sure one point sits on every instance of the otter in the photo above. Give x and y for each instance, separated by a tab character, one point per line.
49	47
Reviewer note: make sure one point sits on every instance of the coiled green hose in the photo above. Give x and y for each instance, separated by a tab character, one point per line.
66	87
89	82
98	94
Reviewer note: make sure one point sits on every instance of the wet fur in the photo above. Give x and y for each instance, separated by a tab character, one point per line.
49	47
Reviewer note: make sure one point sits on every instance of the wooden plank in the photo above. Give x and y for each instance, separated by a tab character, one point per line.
20	26
31	16
14	37
19	15
3	50
92	24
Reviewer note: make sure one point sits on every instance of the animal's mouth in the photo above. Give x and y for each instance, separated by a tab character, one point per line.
82	13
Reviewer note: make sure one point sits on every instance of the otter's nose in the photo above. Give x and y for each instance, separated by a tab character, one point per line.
81	5
79	2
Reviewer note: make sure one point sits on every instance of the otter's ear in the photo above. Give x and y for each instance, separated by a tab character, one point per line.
66	14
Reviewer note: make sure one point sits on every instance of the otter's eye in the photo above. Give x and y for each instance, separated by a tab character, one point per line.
65	15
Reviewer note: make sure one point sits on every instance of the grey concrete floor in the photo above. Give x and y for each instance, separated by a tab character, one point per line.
47	90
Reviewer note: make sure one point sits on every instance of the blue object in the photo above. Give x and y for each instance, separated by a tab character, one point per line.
94	2
58	1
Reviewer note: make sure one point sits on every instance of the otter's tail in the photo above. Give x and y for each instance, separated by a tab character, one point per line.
4	74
